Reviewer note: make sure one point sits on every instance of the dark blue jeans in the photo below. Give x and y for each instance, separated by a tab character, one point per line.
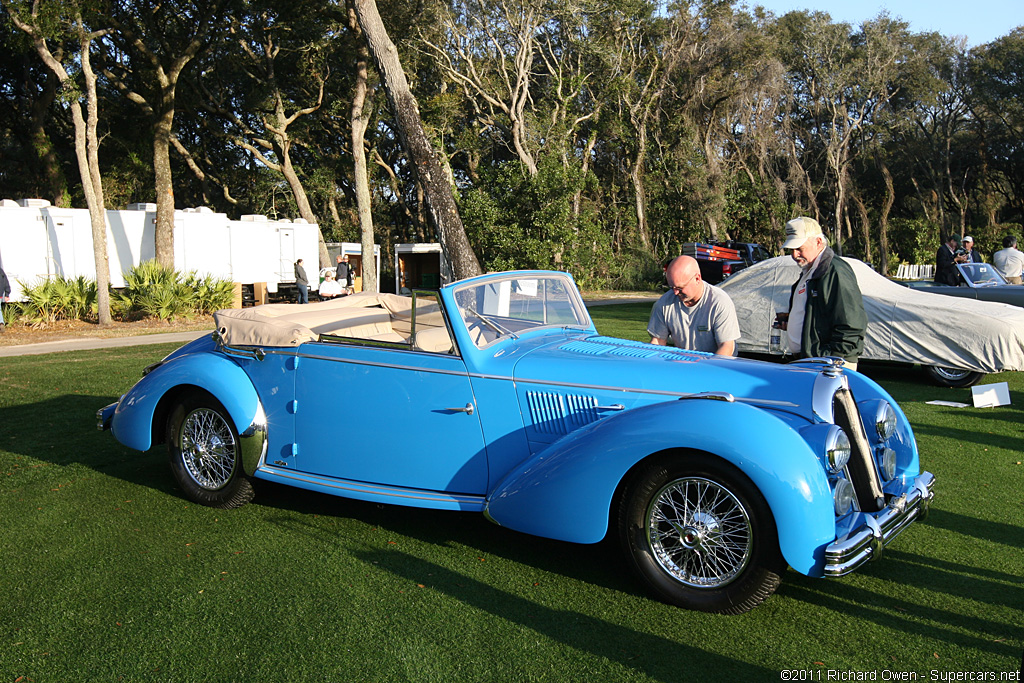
303	294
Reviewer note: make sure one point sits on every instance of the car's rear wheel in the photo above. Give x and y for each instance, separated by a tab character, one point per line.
204	453
952	377
700	535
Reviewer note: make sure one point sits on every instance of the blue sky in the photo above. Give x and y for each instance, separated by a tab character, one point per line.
981	21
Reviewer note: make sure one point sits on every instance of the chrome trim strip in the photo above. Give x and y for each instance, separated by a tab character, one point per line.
374	489
866	543
713	396
543	382
395	366
631	390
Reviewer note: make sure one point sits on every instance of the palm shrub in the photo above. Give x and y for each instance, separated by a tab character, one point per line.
164	293
211	294
58	298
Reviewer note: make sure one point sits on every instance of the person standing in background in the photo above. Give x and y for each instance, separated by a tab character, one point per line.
5	291
826	308
1009	261
973	255
302	282
946	258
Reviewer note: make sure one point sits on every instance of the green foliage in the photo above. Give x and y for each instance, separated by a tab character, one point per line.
55	299
210	293
914	240
737	115
517	221
164	293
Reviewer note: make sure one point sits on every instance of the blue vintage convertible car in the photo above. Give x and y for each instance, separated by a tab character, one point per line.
497	395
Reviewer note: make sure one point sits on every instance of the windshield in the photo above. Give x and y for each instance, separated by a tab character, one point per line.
505	307
981	275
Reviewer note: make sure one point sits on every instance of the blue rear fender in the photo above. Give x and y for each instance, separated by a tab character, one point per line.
140	413
566	491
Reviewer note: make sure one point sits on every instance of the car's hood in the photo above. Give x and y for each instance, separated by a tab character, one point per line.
605	363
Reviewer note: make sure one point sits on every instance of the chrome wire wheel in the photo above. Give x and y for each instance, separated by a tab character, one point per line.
699	532
207	447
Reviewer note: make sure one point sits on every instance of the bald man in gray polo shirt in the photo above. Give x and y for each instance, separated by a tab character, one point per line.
694	314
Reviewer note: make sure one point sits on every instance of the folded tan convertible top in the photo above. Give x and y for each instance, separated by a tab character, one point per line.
366	314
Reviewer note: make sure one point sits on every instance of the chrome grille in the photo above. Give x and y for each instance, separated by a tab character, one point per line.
861	468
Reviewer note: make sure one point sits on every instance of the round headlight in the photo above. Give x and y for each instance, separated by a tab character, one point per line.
837	450
885	420
842	496
888	464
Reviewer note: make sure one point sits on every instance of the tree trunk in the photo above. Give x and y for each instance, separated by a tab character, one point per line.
302	200
442	210
636	174
360	117
164	186
92	181
883	219
865	225
86	147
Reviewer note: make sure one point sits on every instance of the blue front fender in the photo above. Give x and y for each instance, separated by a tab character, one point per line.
132	422
566	491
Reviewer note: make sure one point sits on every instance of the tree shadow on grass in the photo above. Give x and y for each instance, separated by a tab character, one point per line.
954	578
651	655
998	638
62	431
599	564
976	527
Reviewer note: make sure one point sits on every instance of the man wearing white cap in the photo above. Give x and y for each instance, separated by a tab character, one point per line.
973	255
826	309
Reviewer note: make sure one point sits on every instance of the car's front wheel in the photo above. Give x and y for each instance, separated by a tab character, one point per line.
699	534
952	377
203	448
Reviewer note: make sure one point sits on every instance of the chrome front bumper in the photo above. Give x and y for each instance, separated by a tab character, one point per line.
866	543
104	415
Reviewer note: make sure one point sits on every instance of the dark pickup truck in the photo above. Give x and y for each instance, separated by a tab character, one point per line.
719	260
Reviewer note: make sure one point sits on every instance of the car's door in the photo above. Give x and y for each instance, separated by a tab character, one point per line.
387	416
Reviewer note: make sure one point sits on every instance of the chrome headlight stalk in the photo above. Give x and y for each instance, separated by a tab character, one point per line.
885	420
837	450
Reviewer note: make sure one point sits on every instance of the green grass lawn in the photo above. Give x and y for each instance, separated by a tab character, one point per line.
111	575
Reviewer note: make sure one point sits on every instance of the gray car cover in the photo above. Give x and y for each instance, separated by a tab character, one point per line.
904	325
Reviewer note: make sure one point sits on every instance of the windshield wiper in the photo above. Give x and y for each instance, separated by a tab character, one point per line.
490	323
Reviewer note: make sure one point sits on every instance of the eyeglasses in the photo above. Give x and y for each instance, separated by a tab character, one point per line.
680	288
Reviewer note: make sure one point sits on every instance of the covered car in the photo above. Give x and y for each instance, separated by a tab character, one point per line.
496	395
958	341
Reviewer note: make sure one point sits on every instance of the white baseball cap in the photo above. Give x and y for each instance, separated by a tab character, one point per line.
799	230
968	238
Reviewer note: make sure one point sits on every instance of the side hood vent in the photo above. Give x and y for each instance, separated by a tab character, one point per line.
558	414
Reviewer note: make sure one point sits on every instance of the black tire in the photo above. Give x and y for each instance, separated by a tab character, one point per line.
700	535
951	377
203	449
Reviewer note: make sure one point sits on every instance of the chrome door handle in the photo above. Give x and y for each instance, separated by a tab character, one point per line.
614	406
468	409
